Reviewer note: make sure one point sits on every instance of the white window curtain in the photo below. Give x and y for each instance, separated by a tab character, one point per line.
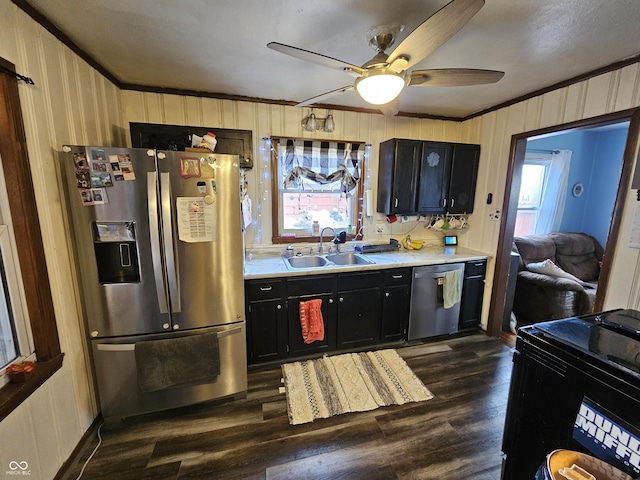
555	192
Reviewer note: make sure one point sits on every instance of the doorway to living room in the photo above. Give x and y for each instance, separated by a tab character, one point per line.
599	212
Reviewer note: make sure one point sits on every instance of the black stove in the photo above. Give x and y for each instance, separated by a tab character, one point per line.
612	337
562	369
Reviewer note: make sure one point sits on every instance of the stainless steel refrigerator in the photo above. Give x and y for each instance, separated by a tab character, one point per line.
159	254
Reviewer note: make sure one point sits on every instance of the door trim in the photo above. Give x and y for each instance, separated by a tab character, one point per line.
510	206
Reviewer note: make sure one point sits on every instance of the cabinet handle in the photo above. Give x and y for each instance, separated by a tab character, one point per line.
479	264
279	307
341	299
266	289
452	202
444	202
395	203
331	300
397	277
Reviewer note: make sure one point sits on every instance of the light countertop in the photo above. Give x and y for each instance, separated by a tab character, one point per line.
270	266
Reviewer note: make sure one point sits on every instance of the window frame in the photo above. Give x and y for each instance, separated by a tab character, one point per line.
29	245
12	299
276	206
535	161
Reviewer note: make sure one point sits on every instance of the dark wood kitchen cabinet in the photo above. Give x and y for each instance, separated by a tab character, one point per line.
358	309
462	180
424	177
396	295
398	167
266	320
300	289
472	294
359	312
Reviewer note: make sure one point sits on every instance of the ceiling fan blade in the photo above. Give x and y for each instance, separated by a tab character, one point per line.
454	77
317	98
390	109
317	58
436	30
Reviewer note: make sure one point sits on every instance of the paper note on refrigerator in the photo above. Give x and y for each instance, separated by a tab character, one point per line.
196	220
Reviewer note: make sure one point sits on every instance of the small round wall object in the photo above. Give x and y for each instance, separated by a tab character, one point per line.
577	189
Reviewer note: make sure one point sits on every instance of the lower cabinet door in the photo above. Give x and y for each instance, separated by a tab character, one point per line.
395	313
359	317
297	345
471	302
267	331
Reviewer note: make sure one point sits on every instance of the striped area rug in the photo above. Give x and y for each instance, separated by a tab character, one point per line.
354	382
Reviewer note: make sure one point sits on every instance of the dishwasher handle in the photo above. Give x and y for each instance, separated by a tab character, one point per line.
428	272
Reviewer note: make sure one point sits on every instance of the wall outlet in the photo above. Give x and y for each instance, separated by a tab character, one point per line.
380	228
494	215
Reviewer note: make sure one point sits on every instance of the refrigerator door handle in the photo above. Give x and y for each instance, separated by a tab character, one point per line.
167	236
154	231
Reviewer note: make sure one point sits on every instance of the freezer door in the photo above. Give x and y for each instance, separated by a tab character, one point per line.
116	373
116	239
200	204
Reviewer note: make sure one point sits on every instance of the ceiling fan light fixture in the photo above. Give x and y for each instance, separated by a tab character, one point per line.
380	86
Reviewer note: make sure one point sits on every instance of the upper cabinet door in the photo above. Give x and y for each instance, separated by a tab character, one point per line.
464	172
433	184
397	176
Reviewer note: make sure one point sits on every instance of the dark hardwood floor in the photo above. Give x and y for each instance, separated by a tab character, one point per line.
457	434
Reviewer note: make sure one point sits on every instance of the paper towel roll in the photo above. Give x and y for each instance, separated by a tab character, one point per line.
409	218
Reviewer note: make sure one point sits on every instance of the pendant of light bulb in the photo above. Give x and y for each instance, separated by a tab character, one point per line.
311	123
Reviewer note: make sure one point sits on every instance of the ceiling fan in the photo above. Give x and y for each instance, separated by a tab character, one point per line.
380	80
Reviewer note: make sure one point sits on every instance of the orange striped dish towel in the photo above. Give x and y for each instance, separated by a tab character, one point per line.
311	320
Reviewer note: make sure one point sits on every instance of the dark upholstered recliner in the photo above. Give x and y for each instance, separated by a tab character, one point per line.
539	296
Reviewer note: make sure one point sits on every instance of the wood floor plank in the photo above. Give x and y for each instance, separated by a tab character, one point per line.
367	461
258	456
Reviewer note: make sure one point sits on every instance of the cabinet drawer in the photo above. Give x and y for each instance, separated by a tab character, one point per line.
310	285
355	281
472	269
400	276
265	289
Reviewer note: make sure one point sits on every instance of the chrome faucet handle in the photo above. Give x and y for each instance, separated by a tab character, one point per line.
310	250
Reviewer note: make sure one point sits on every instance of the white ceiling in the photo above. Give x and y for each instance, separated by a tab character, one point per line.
220	46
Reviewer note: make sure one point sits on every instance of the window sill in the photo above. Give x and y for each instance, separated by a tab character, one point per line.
310	239
13	394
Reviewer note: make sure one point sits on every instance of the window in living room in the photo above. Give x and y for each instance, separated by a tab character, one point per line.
530	199
543	191
316	182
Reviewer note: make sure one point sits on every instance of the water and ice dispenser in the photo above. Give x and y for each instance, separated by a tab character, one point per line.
116	252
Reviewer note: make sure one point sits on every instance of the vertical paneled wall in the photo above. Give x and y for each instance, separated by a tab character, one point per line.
70	104
611	92
266	120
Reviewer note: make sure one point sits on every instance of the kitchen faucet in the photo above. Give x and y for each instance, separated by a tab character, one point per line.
321	237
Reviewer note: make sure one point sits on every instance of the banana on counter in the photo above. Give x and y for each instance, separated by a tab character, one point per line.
409	244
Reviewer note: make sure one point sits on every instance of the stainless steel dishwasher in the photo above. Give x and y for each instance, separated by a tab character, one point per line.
428	317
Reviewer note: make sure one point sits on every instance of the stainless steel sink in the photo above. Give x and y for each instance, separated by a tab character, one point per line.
306	261
312	261
348	259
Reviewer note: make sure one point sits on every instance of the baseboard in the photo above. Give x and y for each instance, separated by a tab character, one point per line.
88	436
